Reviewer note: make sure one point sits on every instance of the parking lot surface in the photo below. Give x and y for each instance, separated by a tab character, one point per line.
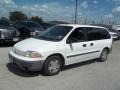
90	75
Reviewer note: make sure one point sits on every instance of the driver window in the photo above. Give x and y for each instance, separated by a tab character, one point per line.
77	35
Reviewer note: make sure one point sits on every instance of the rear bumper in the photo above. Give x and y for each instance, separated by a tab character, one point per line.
16	39
26	65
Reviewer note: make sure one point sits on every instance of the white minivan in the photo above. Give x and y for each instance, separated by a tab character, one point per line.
61	45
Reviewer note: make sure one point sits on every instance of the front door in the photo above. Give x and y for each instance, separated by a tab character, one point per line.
76	47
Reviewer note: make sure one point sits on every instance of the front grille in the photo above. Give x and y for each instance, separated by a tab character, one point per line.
18	52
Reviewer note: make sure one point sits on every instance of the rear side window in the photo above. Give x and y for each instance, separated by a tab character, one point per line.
97	34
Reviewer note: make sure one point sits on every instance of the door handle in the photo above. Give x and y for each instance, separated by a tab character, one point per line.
91	44
84	45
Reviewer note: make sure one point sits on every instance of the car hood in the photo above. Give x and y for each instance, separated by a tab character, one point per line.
33	44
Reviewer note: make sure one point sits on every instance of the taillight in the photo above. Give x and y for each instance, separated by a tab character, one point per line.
32	33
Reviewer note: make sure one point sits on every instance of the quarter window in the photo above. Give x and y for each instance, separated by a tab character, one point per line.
97	34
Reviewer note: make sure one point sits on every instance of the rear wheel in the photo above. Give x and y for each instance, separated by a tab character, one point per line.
52	65
104	55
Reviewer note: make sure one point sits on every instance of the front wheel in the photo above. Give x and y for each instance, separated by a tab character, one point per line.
52	66
104	55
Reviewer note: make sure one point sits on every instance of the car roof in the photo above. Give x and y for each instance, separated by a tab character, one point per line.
78	25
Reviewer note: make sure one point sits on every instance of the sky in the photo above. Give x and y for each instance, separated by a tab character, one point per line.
93	10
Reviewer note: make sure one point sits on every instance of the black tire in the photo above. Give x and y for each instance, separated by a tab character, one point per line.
52	66
103	56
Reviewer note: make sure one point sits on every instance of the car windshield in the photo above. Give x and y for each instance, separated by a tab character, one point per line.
56	33
4	23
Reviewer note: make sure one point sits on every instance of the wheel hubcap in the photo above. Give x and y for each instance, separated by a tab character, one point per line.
104	55
54	65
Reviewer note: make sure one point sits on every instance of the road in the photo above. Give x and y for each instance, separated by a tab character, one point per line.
90	75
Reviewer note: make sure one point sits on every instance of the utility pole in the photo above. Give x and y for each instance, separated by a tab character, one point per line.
76	9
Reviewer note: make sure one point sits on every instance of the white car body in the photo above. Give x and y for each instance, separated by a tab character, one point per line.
72	53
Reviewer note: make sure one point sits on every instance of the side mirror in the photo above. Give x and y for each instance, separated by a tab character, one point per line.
69	41
72	40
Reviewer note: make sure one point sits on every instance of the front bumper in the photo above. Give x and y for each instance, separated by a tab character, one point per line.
26	65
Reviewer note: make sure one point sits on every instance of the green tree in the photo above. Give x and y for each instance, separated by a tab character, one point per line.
17	15
37	19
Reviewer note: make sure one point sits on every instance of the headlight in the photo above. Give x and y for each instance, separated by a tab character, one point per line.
30	54
33	54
